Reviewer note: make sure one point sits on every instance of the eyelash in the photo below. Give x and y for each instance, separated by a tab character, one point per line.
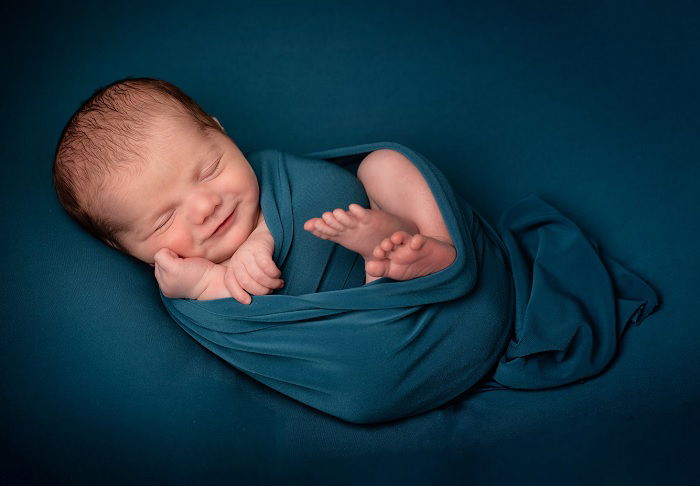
216	167
165	222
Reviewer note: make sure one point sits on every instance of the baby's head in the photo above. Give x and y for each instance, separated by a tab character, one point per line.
141	167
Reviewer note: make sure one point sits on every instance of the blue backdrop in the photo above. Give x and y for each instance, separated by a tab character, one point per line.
592	105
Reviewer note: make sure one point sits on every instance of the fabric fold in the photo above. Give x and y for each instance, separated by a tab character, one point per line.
541	307
573	302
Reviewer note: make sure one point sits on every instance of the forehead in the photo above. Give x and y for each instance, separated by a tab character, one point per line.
174	145
175	132
173	149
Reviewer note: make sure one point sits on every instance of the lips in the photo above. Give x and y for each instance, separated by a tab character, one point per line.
224	224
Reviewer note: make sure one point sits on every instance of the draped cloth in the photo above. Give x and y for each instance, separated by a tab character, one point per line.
539	307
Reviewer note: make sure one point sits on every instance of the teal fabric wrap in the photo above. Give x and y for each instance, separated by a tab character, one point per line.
392	349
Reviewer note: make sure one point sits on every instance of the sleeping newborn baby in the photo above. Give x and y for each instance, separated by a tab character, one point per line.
143	168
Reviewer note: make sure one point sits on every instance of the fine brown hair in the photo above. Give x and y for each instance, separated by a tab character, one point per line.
106	137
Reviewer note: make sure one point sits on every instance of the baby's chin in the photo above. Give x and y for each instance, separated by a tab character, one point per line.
221	261
220	257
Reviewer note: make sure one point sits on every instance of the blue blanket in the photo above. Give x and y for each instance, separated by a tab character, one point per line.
540	307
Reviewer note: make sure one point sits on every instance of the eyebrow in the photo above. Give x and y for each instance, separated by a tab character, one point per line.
152	220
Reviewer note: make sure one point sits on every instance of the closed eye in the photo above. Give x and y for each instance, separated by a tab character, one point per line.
216	167
165	222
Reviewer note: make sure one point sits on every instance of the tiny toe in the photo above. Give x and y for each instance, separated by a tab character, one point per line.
345	218
357	210
330	220
324	228
378	252
375	268
417	242
386	244
399	237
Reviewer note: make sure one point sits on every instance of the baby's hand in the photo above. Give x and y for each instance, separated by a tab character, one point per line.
252	269
181	277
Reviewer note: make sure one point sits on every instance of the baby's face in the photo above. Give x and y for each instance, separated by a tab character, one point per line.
191	184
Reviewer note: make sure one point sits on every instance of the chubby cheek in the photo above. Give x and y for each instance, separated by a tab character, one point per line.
182	243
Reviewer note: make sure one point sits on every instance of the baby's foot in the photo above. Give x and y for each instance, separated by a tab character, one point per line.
358	229
403	257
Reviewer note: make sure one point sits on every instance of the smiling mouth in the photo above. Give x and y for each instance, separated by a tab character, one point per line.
224	224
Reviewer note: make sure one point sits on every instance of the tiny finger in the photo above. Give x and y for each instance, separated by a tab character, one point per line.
267	273
236	290
267	264
254	280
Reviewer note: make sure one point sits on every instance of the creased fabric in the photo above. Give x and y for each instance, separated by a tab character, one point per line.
541	307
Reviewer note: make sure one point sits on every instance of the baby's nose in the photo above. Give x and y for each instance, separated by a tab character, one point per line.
203	207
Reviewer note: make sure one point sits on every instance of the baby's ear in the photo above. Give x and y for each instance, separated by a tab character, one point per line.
219	123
